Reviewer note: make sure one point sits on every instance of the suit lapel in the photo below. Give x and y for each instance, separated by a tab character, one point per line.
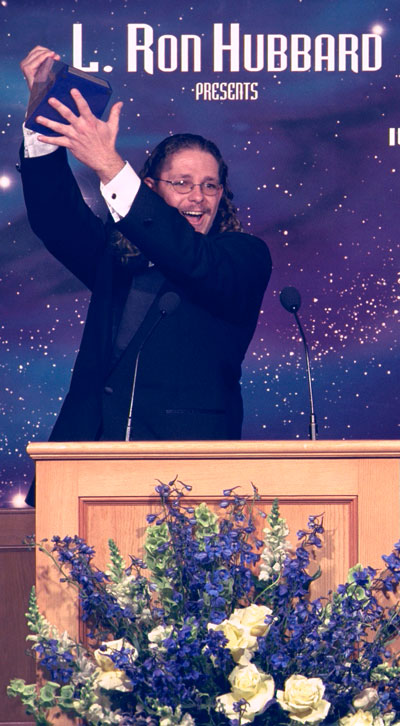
132	305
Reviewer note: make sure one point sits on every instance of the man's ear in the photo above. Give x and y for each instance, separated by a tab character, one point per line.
149	181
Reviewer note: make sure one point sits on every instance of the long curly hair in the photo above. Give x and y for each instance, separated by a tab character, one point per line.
225	219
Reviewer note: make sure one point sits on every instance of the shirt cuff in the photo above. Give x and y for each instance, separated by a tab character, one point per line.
33	147
121	191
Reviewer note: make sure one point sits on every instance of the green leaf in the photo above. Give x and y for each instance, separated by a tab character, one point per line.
47	694
66	697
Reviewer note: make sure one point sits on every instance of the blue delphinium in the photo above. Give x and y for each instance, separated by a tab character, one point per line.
216	626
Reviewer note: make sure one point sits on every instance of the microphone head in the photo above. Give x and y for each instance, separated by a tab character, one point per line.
168	303
290	299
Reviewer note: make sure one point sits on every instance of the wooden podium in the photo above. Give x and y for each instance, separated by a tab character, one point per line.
101	490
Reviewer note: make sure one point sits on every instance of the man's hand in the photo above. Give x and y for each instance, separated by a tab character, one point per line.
89	139
34	60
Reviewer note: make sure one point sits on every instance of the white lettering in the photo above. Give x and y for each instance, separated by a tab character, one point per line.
77	54
300	58
186	39
232	48
276	51
234	52
371	56
233	91
247	64
162	46
324	52
394	137
134	47
344	51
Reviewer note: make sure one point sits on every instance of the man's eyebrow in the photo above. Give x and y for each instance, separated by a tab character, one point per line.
190	176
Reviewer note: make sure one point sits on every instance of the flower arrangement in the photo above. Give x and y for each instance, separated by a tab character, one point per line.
221	631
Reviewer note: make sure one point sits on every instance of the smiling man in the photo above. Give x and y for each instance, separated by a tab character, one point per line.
198	201
172	229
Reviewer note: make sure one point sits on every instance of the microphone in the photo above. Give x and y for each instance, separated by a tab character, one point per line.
291	300
167	305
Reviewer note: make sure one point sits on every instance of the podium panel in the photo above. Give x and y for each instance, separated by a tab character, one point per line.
104	490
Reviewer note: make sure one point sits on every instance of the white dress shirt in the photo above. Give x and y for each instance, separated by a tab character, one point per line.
118	194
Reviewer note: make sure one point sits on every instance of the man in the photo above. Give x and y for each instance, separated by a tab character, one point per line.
173	229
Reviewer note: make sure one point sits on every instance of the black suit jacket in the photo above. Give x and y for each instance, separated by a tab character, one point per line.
189	371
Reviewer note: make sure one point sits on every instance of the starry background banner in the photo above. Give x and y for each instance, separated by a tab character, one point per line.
314	164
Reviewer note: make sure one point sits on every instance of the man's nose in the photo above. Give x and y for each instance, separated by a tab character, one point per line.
196	194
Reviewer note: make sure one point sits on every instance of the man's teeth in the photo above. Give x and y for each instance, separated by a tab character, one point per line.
193	214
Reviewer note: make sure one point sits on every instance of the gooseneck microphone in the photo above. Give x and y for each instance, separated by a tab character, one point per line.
167	305
291	301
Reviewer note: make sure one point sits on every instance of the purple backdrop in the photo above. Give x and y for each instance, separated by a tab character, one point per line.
315	171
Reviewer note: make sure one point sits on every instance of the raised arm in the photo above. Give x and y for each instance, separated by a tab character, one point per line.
56	209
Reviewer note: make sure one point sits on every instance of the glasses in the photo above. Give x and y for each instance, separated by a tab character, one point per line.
182	186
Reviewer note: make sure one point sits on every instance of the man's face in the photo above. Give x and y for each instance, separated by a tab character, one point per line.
195	166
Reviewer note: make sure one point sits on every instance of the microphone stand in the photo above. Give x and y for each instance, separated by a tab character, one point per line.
133	389
291	300
312	428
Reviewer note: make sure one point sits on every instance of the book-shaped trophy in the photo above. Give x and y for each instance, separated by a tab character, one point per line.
55	79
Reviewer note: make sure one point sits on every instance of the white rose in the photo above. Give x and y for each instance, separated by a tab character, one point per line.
256	687
360	718
108	676
103	656
115	680
366	699
239	638
253	618
302	697
158	634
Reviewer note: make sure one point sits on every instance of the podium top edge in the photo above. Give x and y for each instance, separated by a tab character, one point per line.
213	449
